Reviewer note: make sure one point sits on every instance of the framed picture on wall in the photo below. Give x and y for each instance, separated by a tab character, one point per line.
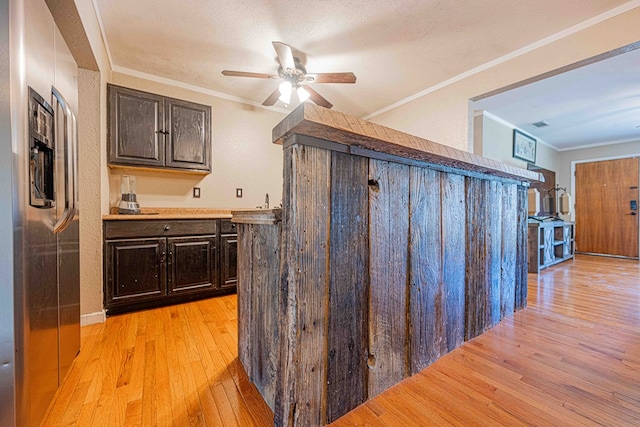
524	146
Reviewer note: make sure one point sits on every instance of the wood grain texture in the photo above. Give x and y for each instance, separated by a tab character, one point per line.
509	250
257	216
493	252
427	305
454	256
567	359
318	122
570	358
348	285
607	186
245	296
168	366
301	397
522	254
265	252
476	261
388	231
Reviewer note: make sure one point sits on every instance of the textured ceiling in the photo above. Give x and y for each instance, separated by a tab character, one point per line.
395	48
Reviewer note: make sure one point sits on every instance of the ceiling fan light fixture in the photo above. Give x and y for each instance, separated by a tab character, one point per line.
285	89
303	94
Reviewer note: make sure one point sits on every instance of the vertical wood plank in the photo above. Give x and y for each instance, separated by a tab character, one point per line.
265	252
509	249
427	316
245	297
301	392
454	256
476	267
522	250
348	285
388	237
493	252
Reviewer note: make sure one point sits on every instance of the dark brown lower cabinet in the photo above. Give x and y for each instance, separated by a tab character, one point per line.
192	265
135	270
229	260
150	263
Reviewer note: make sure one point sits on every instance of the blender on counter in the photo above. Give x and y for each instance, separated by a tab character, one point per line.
129	203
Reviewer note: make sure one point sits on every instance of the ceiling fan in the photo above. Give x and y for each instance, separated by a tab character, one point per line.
296	78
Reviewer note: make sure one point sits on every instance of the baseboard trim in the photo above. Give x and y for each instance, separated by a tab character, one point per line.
92	318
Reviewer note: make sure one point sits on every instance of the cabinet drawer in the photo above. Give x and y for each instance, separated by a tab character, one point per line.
157	228
228	227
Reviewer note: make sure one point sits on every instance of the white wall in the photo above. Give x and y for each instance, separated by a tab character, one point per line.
494	139
443	115
93	177
243	156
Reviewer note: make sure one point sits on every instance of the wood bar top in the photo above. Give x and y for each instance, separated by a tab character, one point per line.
373	140
257	216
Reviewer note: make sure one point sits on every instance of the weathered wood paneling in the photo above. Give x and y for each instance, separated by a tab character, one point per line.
509	249
384	268
522	251
454	256
258	298
476	261
245	298
493	252
265	253
305	256
388	237
427	312
348	285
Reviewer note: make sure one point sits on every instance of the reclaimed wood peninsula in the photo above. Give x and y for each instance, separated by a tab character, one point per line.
389	251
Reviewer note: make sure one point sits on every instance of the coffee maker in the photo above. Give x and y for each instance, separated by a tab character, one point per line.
129	203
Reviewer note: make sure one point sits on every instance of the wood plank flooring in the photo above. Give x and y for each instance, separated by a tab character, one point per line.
571	358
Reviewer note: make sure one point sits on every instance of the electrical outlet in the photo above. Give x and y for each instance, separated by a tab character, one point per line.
196	192
239	192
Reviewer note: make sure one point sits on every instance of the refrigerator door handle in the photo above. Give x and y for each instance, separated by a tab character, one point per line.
67	214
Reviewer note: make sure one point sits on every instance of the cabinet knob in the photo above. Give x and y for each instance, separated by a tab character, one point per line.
167	227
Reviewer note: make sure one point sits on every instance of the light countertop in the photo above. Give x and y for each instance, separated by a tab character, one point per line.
170	213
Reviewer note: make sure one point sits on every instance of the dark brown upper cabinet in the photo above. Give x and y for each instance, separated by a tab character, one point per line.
153	131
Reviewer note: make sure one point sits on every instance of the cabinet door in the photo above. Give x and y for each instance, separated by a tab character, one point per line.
135	270
189	135
192	264
229	259
135	131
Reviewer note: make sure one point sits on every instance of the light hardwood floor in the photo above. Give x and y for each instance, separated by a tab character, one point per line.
571	358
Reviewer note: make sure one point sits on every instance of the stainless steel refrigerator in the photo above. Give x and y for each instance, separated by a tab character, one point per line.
39	214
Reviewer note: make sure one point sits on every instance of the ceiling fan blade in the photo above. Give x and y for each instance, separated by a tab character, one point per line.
332	77
271	99
317	98
247	74
285	56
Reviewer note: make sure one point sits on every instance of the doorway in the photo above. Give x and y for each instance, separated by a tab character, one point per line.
606	211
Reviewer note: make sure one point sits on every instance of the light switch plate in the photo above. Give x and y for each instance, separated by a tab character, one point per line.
238	192
196	192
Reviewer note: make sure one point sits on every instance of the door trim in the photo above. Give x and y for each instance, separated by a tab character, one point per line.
597	159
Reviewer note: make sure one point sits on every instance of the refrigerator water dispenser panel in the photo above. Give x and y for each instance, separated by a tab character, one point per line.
41	152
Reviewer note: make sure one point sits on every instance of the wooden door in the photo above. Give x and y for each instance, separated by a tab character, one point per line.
605	222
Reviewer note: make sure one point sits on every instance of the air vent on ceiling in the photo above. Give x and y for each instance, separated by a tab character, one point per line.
541	124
